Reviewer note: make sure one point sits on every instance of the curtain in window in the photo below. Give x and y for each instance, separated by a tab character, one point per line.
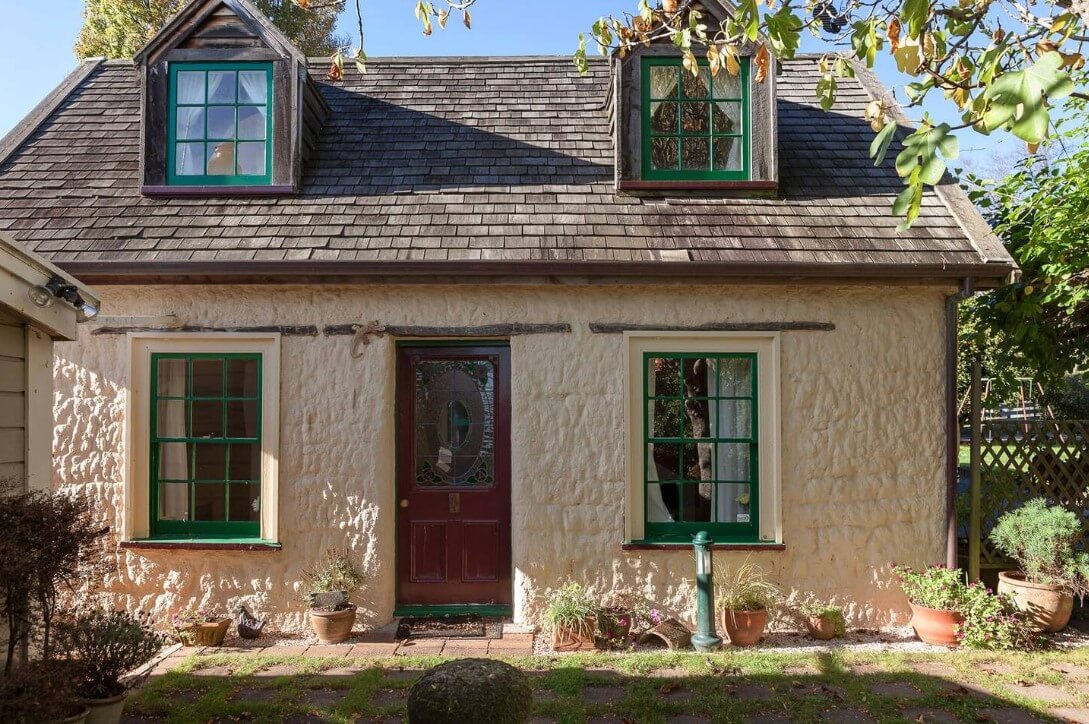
730	419
253	86
663	81
656	507
173	457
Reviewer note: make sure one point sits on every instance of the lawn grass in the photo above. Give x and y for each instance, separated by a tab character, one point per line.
573	688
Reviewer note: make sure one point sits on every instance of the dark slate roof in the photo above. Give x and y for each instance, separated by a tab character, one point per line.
471	159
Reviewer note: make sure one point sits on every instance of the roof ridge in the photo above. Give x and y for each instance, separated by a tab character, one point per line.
462	59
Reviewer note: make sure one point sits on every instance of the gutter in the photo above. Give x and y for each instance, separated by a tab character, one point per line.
985	275
952	425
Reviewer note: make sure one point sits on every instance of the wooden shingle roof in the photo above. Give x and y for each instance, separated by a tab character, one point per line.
478	160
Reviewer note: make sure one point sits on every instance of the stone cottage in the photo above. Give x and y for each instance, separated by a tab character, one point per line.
488	324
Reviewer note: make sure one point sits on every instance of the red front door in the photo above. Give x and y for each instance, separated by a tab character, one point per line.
453	475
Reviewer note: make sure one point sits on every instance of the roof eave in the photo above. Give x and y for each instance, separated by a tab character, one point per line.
984	275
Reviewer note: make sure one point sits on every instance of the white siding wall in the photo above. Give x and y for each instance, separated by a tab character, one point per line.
12	398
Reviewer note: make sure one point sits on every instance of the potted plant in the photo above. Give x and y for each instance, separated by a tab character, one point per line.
200	626
1041	539
824	621
620	615
329	587
937	596
107	645
572	616
40	693
744	595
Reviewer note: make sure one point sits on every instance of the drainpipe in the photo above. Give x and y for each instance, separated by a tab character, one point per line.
952	447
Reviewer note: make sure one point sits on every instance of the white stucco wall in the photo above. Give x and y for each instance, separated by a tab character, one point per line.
862	430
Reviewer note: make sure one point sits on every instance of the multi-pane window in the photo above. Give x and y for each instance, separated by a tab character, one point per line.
695	127
700	458
220	123
205	445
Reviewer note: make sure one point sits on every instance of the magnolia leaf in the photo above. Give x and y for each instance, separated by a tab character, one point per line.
762	61
360	61
879	147
690	63
444	15
733	60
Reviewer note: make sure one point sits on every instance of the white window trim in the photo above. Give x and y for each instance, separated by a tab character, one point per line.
766	347
137	515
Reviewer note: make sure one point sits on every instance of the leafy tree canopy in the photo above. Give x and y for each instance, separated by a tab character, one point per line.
1038	327
118	28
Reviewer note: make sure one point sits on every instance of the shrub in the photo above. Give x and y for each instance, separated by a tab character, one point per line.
107	645
1041	539
38	692
570	608
49	543
335	573
935	586
745	588
994	622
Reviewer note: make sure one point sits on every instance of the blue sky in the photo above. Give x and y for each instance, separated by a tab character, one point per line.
36	41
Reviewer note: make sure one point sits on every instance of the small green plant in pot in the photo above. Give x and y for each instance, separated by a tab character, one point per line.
937	596
824	621
1041	539
106	646
744	595
328	588
571	615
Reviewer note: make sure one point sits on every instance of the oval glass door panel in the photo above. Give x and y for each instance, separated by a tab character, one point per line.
455	423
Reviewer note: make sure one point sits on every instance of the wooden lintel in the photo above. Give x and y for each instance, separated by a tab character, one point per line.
514	329
288	330
619	327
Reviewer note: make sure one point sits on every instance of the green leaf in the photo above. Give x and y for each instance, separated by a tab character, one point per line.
914	14
925	152
748	16
784	30
879	148
1019	98
826	90
865	41
907	204
580	56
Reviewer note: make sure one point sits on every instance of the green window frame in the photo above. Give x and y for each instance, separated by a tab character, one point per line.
694	128
209	456
673	445
217	136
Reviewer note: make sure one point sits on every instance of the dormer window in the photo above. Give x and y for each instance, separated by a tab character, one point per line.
694	127
220	124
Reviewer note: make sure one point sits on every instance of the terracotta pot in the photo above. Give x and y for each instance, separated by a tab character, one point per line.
210	634
1049	607
744	628
569	639
821	628
333	627
936	626
105	711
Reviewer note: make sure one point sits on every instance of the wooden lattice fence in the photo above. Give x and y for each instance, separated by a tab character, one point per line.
1022	460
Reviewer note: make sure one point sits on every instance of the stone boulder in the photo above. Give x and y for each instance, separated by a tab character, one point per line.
471	691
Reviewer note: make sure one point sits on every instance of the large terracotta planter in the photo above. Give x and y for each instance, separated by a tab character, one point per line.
1049	607
821	628
105	711
936	626
570	639
744	628
210	634
333	627
614	627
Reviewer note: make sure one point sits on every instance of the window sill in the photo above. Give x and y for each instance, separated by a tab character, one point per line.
200	545
664	185
643	545
218	190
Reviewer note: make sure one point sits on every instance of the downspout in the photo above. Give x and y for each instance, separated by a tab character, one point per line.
952	446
